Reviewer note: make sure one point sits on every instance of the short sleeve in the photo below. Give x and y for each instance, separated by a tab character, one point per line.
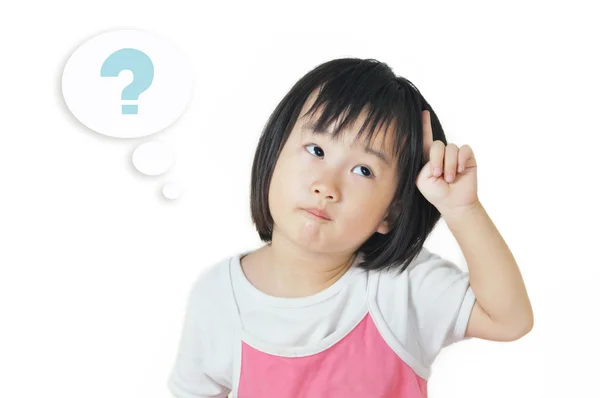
441	302
200	370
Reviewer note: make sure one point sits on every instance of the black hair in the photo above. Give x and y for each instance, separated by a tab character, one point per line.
347	86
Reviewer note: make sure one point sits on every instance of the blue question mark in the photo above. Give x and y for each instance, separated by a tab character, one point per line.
143	73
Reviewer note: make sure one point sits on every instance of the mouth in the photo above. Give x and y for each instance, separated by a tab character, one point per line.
316	214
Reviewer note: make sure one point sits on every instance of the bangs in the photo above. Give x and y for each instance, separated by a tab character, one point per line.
343	98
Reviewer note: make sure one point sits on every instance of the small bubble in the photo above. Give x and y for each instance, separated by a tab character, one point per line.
171	190
152	158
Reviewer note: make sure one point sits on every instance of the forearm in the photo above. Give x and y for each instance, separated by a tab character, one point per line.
494	274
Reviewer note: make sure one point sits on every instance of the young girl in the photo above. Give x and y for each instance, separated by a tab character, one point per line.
343	300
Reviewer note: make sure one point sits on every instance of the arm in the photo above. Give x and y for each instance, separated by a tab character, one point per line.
502	311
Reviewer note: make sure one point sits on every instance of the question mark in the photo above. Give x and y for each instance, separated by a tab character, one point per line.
143	73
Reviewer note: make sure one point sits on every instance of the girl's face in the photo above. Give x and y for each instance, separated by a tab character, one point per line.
353	186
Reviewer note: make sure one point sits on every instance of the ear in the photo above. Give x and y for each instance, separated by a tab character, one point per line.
390	217
383	227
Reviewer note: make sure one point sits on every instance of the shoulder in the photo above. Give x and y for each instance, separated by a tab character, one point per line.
426	281
213	278
210	296
428	269
204	356
426	305
392	307
393	290
414	272
210	314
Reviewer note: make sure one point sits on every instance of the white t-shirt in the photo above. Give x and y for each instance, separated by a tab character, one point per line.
231	328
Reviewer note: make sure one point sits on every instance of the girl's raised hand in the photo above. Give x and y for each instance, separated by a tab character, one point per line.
449	178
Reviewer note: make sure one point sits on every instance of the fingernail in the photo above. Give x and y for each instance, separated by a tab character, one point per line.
437	172
460	169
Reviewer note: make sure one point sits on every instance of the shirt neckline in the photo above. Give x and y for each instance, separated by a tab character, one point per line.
290	302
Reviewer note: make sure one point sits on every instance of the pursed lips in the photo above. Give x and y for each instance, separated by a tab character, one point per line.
323	215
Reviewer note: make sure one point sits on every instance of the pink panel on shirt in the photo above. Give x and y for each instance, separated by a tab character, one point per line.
361	365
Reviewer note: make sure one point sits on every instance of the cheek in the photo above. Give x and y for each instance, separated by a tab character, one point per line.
283	187
294	172
364	208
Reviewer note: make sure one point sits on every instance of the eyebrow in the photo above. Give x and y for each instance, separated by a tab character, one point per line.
311	126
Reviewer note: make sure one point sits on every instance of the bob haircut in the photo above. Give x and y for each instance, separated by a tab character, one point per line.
346	86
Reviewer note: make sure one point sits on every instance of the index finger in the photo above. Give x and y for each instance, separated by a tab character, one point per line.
427	134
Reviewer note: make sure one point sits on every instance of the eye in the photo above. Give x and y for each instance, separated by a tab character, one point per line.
364	169
320	150
370	174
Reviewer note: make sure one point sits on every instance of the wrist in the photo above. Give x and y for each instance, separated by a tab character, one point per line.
459	212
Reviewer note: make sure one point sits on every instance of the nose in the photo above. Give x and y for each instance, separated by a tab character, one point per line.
326	190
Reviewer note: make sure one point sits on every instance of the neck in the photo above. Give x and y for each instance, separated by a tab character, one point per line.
296	272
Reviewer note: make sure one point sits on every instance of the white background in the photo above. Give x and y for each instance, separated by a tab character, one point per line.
96	265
